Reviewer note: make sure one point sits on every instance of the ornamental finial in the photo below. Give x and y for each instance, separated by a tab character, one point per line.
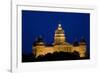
59	25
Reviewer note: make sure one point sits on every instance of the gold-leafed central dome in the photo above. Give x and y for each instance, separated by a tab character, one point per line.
59	37
59	30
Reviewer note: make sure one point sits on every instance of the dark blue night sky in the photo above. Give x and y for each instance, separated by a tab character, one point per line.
43	23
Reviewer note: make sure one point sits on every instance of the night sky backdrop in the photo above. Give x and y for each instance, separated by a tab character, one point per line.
44	23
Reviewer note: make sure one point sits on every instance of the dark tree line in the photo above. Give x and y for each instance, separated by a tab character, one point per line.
56	56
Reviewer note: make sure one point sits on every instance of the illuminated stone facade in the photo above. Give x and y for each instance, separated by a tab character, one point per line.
60	45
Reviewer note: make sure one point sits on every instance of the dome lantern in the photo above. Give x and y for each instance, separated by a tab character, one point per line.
59	27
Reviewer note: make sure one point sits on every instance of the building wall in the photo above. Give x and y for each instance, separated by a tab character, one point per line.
43	50
80	49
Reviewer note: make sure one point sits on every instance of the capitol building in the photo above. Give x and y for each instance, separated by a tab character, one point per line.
59	45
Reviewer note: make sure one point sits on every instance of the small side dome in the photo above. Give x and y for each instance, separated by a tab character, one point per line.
39	41
82	41
75	43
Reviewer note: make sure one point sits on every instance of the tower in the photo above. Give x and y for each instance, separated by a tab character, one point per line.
38	46
59	36
82	46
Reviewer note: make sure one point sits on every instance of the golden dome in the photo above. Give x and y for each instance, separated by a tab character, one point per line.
59	37
59	30
39	42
